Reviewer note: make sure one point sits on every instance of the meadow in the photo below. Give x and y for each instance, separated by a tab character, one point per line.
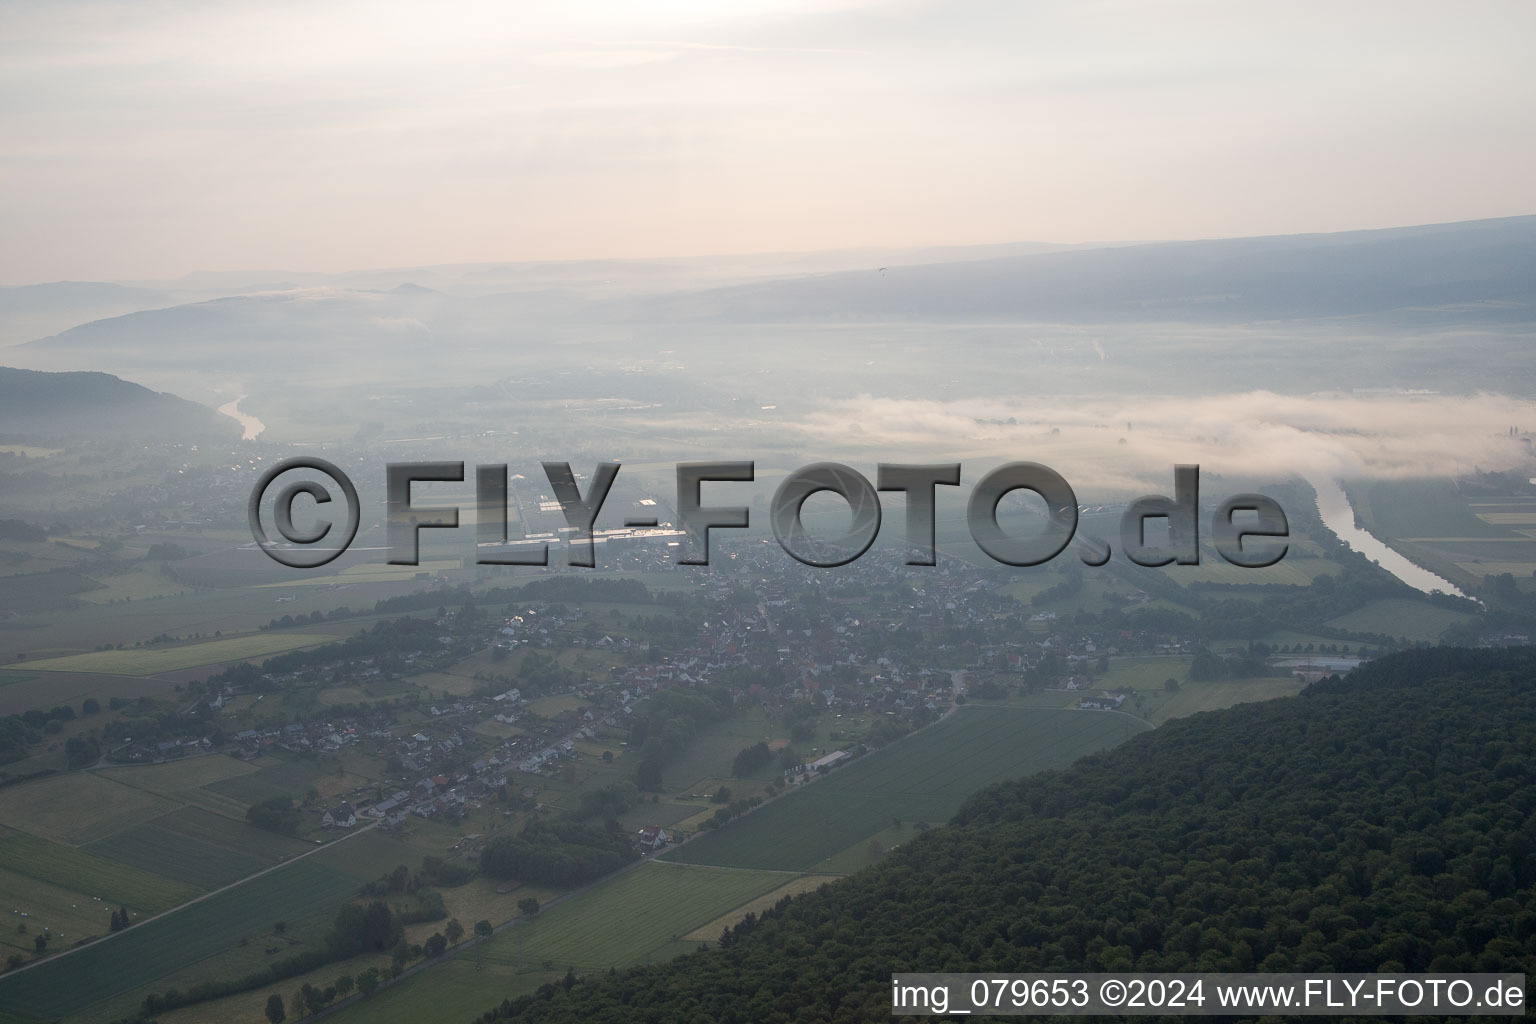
1415	620
143	661
922	778
78	808
151	950
178	857
625	920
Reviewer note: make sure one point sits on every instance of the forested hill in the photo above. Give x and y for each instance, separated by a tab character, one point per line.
54	406
1379	823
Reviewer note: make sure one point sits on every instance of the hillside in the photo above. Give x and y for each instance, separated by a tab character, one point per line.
34	404
1470	272
1379	823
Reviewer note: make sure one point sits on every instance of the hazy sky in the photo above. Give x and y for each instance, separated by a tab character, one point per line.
150	139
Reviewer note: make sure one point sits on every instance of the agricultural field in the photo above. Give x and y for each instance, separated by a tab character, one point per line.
78	808
231	834
1416	620
38	908
78	878
711	752
1142	673
615	923
149	661
1460	539
137	584
711	932
138	956
622	921
1403	509
290	778
177	856
375	853
549	707
1158	706
175	778
369	572
924	777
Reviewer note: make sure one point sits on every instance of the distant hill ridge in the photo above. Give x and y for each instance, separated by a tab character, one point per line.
1383	822
37	404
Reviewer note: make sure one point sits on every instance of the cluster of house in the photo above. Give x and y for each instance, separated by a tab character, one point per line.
317	735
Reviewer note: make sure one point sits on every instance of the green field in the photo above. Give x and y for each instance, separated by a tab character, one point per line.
291	778
145	661
154	949
230	834
79	807
90	876
1417	508
618	922
1416	620
1145	672
175	778
177	856
922	778
625	920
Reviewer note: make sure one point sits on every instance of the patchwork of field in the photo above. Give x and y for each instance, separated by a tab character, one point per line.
286	778
78	808
135	585
201	824
1461	539
924	777
74	847
623	921
174	778
130	959
177	856
72	893
615	923
146	661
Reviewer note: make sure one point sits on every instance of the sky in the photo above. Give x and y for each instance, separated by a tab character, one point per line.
148	140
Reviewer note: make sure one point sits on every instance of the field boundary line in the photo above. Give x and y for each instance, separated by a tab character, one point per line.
182	906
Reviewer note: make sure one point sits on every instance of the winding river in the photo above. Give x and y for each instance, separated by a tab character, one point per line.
1339	516
249	424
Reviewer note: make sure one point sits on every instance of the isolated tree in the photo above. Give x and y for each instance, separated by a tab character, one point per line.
41	942
368	981
528	905
275	1012
484	928
454	931
435	945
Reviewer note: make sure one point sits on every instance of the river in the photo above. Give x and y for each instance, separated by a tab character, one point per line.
249	424
1339	516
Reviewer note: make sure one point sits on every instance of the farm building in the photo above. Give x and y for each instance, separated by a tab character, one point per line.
341	816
